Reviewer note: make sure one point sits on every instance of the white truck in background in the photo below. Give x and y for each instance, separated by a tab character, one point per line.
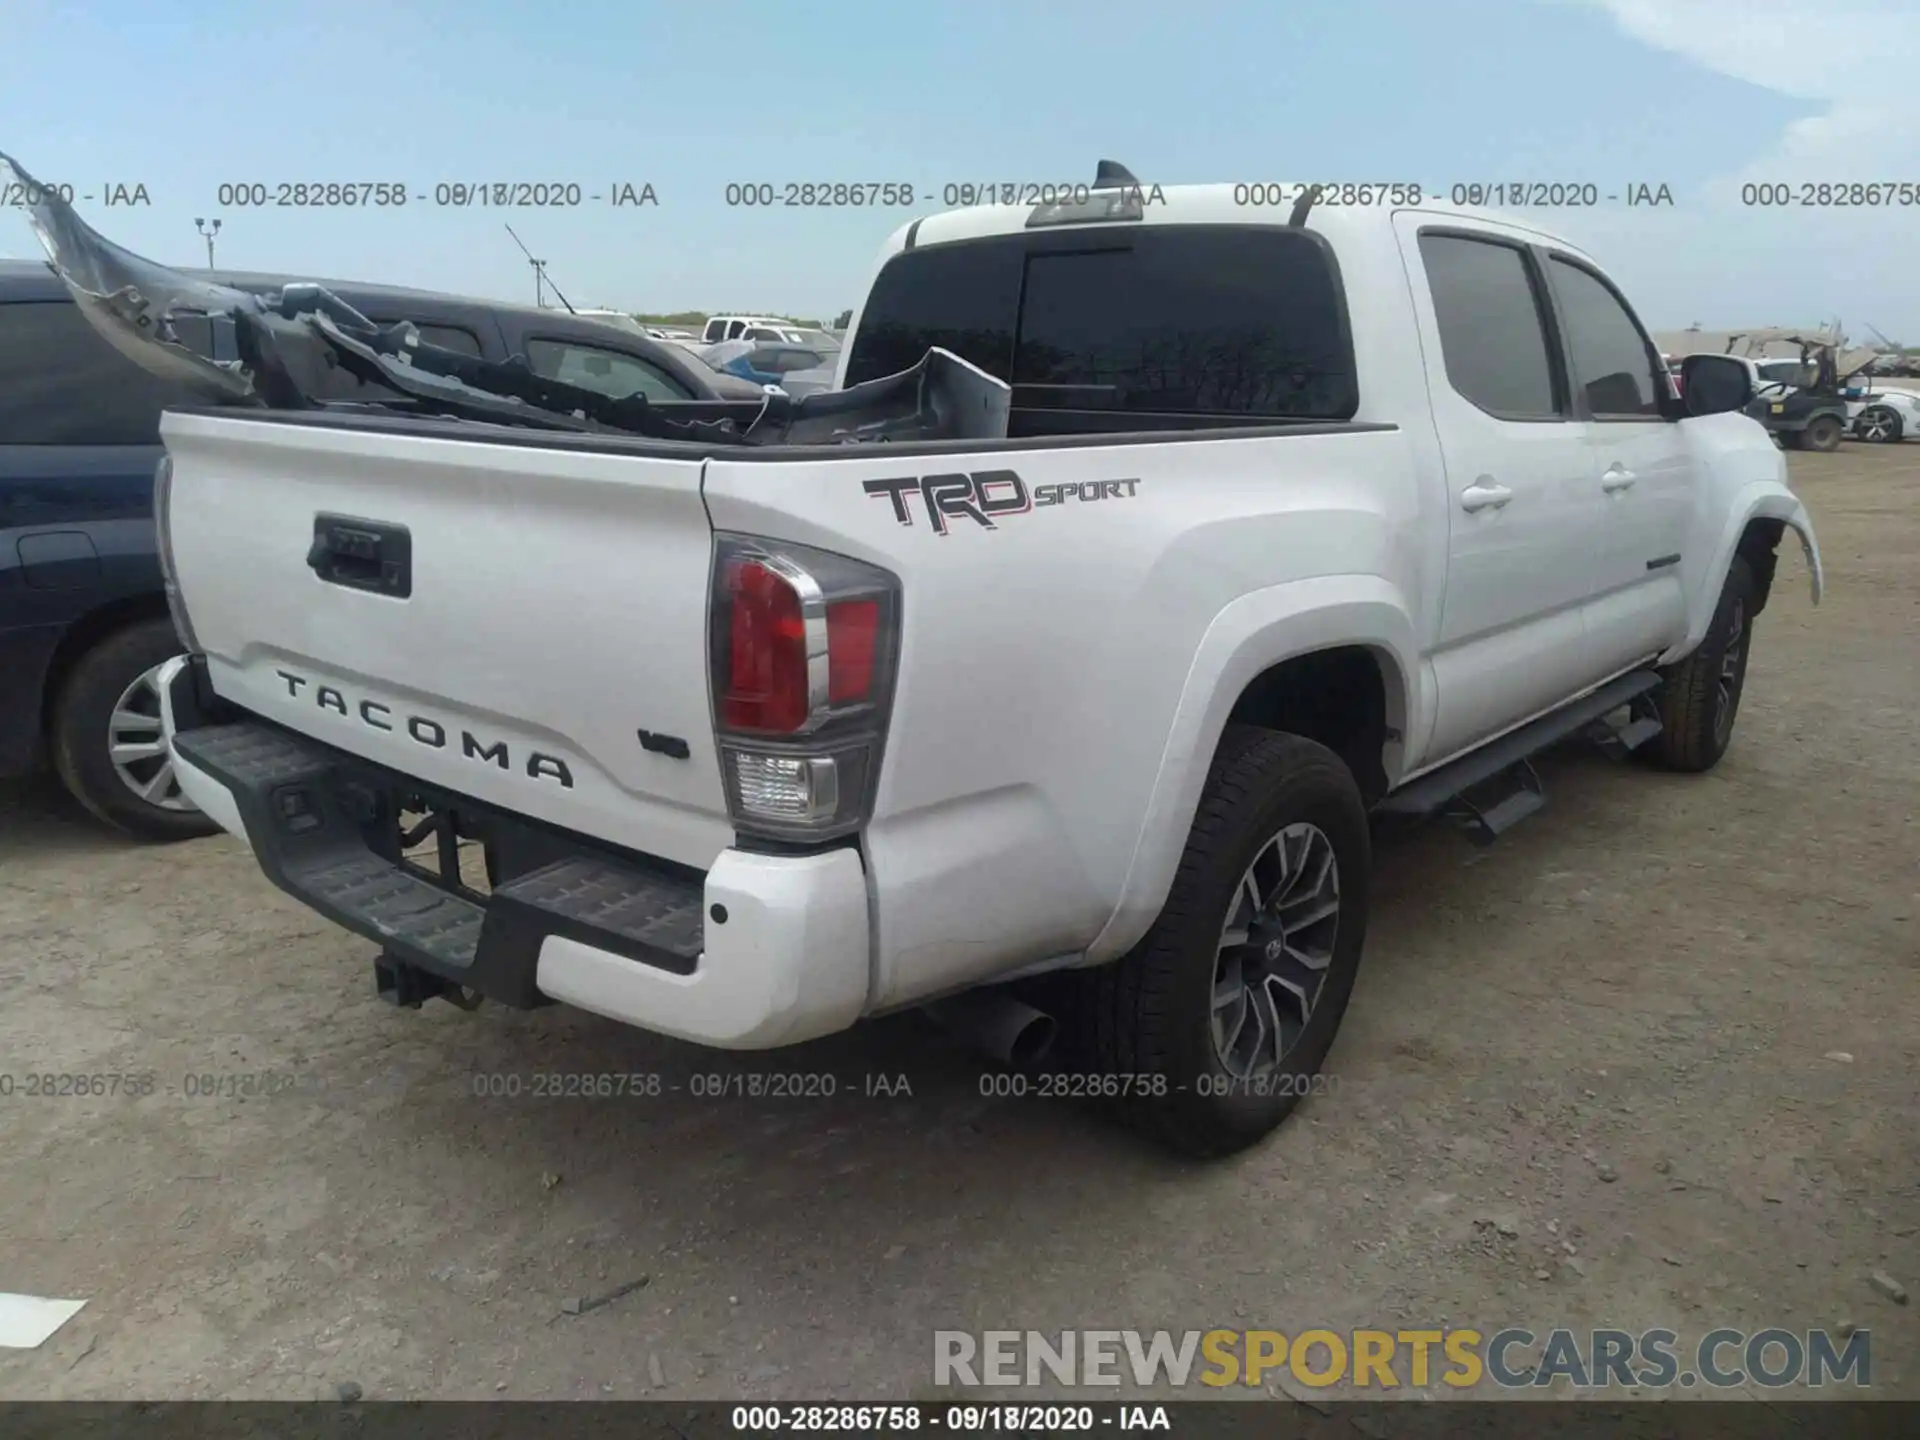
1297	521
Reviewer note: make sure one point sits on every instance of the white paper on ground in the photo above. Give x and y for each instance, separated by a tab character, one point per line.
27	1320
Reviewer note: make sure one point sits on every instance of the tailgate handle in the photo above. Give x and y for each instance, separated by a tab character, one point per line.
362	555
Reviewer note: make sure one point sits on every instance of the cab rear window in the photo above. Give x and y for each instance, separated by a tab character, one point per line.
1190	320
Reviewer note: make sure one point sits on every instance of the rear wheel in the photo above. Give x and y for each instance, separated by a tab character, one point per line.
1223	1014
1823	434
1878	424
106	742
1701	695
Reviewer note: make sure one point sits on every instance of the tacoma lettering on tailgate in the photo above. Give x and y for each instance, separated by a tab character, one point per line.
987	495
425	730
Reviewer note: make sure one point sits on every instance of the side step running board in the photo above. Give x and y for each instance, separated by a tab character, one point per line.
1500	767
1497	804
1622	739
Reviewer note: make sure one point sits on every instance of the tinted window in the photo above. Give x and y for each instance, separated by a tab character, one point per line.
1612	360
780	360
1191	320
61	384
964	298
608	371
1491	334
1199	320
449	337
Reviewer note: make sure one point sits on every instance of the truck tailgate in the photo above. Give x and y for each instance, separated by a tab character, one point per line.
552	607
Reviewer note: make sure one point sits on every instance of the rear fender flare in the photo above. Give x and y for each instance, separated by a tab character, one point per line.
1254	633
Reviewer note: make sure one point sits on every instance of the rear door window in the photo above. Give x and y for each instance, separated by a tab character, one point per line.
610	372
448	337
338	383
1491	317
62	384
1220	320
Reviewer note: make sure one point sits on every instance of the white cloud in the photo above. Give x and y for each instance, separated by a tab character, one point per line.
1734	263
1855	60
1809	48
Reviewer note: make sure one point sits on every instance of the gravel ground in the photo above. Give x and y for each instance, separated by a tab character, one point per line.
1648	1062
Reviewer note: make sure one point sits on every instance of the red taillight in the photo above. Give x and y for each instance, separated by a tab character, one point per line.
768	684
853	631
804	646
766	652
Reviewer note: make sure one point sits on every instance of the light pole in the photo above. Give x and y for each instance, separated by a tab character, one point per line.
207	231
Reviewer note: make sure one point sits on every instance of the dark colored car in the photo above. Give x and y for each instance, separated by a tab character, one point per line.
83	617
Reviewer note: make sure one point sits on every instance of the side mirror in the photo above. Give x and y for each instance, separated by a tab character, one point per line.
1714	384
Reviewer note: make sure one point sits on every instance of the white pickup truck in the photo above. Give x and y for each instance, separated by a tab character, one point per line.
1296	521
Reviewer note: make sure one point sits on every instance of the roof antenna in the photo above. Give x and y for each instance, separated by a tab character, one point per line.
1112	175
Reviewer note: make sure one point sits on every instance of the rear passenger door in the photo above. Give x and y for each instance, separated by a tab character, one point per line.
1644	468
1524	503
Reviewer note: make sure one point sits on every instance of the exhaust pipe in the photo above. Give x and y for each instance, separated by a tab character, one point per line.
997	1025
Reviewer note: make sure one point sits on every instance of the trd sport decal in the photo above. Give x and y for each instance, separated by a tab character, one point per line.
986	496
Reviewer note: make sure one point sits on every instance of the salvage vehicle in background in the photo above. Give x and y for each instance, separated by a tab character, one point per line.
83	620
735	327
1883	417
1068	648
1800	400
766	364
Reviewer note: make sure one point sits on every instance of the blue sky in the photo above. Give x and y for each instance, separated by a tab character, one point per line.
181	95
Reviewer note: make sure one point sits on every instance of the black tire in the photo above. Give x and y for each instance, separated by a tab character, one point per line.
1823	434
1879	416
1695	729
78	735
1150	1014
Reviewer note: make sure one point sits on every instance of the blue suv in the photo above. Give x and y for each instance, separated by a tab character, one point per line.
83	617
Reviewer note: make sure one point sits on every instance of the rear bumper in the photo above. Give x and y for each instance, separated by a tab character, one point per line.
759	951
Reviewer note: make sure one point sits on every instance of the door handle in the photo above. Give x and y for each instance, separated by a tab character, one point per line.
362	555
1617	478
1484	495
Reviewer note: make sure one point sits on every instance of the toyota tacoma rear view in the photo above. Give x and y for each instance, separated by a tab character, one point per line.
1051	670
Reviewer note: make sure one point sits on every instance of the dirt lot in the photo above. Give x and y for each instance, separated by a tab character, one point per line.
1649	1062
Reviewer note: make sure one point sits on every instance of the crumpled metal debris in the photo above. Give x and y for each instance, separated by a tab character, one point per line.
289	338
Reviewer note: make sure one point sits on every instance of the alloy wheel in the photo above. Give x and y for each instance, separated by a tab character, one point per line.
1878	424
1727	688
1275	949
137	748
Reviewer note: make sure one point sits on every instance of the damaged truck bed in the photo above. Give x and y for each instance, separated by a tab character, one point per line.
289	339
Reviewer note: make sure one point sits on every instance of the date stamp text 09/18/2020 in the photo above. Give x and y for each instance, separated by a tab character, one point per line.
992	1084
391	195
